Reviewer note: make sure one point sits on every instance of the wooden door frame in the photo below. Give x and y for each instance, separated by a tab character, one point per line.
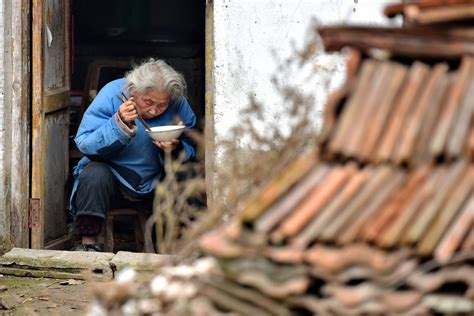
39	105
16	141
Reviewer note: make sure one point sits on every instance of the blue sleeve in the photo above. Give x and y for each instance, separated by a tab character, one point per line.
99	132
187	116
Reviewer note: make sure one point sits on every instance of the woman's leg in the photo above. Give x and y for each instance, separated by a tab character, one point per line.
97	188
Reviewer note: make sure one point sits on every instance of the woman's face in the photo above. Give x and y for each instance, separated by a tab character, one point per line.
151	103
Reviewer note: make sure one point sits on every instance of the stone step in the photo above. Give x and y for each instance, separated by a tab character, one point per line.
99	266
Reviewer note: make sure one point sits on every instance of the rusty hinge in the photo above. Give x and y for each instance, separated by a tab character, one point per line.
33	213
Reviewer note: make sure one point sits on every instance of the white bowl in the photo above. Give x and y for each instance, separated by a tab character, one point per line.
166	133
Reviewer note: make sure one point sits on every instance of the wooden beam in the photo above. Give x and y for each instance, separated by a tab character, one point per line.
407	42
37	143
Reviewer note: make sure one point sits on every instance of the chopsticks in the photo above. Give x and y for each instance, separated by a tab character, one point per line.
139	116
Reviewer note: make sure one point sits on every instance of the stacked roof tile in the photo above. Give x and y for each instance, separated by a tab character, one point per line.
357	234
400	113
380	219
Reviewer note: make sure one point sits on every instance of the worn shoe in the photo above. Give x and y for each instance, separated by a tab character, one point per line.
90	247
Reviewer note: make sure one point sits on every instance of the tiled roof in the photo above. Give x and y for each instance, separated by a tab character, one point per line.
413	114
380	218
430	209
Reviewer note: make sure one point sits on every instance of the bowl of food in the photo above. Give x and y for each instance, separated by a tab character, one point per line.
166	133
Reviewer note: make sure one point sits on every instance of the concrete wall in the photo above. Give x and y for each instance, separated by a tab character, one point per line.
246	32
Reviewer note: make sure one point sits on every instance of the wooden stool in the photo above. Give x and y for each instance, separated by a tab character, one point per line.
139	220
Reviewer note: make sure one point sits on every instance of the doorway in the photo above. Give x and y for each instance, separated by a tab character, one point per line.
101	41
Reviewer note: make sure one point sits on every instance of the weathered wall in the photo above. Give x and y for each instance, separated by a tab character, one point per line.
14	122
245	35
247	31
4	215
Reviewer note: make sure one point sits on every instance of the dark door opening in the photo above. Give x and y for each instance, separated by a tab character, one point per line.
110	36
115	34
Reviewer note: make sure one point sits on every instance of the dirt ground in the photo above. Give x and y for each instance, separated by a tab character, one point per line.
43	296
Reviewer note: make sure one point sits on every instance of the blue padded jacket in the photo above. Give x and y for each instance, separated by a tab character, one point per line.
135	161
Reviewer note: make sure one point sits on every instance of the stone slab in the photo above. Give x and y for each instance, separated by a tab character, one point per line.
57	264
139	261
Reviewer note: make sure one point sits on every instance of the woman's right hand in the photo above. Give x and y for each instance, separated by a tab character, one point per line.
127	112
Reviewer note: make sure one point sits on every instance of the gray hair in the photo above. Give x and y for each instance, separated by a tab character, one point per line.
156	75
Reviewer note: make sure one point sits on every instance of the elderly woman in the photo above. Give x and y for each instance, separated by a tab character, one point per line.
121	163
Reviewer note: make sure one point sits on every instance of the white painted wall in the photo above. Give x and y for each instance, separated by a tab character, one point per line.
246	32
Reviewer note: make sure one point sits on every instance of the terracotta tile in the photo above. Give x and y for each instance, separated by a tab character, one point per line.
277	212
412	128
393	233
313	202
435	103
405	268
379	118
231	303
245	294
353	62
347	275
343	126
354	295
387	189
334	260
268	286
428	213
455	97
284	254
315	227
459	229
401	301
257	205
364	111
217	244
233	229
453	205
371	307
403	105
357	272
393	209
468	243
328	222
391	301
371	188
470	141
432	282
459	128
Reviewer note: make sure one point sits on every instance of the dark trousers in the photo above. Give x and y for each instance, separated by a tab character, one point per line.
98	192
